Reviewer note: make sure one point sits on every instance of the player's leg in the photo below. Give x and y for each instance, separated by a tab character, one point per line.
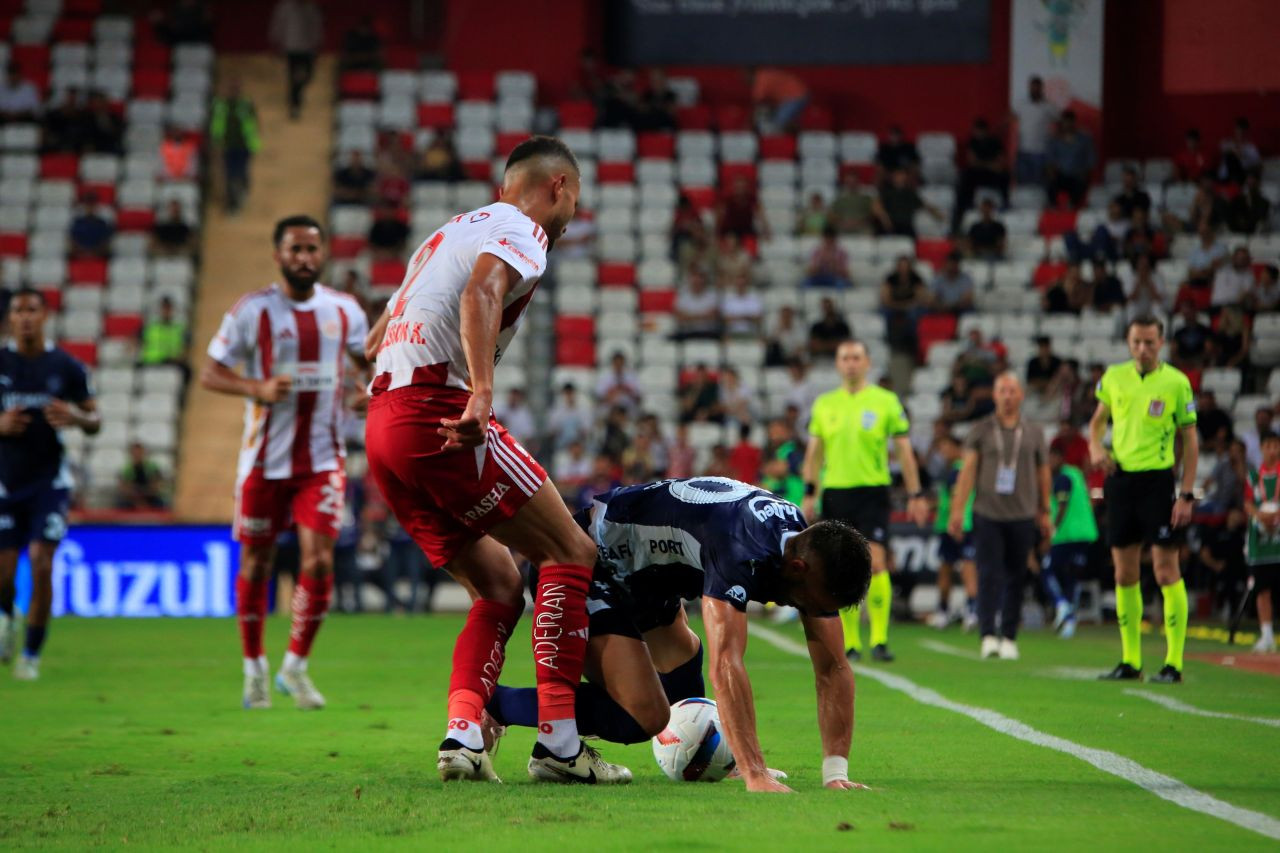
1019	539
1264	579
969	575
942	617
38	612
1124	527
989	551
8	580
1173	589
874	517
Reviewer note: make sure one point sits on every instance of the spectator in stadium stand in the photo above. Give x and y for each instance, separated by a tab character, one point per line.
786	338
737	402
963	402
741	309
1209	254
103	131
1207	206
739	213
1043	366
90	231
1229	345
952	288
1146	291
986	166
1238	155
568	419
896	205
639	462
987	236
686	227
604	478
171	236
619	105
1263	421
1035	116
828	264
392	184
1107	239
1224	487
618	386
589	82
164	338
185	22
1232	283
828	330
745	457
233	129
362	47
179	155
1132	196
1108	292
616	436
19	98
814	217
697	308
64	122
1250	211
1265	295
1190	339
1213	424
353	286
779	98
1069	158
801	393
648	425
657	108
781	463
1071	444
140	484
700	397
388	232
903	299
578	241
1190	163
1144	239
573	468
897	153
439	160
732	260
517	417
353	180
851	211
1070	294
718	462
297	31
681	456
980	360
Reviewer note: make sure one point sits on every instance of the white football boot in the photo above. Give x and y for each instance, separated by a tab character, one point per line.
1008	649
257	691
296	683
458	763
27	668
990	646
585	768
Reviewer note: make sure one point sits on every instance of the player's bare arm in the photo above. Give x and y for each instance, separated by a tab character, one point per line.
1183	506
917	505
480	319
810	471
726	629
835	687
1098	455
85	417
216	376
960	496
1044	481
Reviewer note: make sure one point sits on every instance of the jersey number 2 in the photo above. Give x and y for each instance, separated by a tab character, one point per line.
424	254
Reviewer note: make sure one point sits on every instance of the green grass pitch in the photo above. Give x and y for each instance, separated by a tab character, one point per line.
134	736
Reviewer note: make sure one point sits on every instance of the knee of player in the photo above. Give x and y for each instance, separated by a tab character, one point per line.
255	563
506	587
653	716
580	551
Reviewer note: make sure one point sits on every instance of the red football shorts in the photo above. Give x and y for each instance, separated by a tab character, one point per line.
265	508
444	499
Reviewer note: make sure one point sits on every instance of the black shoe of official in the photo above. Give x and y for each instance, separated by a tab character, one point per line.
1168	675
1122	672
853	655
881	653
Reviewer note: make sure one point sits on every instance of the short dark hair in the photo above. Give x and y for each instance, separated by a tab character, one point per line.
541	146
1269	436
298	220
845	557
1145	320
28	290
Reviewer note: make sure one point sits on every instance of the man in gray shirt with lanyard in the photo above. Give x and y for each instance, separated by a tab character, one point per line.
1006	461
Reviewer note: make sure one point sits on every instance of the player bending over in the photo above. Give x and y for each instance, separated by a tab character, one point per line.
42	390
729	543
460	485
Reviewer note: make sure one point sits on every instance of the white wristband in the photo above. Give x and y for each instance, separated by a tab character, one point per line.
835	768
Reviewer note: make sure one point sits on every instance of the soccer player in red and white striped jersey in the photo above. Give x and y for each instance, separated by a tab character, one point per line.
293	340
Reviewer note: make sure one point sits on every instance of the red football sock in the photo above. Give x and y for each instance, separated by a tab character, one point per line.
559	639
478	655
251	611
310	604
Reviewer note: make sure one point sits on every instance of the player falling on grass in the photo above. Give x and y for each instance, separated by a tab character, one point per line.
42	390
293	340
728	543
460	485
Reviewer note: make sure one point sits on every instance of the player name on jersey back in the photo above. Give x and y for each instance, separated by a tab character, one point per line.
423	340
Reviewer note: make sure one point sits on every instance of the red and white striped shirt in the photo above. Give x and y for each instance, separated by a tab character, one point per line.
272	335
423	340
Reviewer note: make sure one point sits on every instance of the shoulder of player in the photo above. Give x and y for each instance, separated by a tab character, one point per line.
509	217
886	398
1176	376
251	299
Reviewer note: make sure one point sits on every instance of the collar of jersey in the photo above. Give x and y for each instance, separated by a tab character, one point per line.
12	345
1136	369
305	305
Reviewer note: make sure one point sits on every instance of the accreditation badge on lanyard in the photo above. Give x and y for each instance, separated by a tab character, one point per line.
1007	472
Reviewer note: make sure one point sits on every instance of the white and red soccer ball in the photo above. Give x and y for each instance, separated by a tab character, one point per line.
692	748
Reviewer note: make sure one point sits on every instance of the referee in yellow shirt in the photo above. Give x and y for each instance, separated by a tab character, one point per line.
1149	403
848	456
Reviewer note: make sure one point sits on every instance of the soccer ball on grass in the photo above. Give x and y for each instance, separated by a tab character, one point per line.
692	748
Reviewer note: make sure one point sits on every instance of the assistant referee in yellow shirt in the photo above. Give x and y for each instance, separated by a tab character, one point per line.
1149	403
848	454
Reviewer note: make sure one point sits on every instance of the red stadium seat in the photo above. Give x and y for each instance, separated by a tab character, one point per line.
816	117
13	245
52	298
702	198
478	170
616	275
151	82
401	57
778	147
387	272
475	86
359	84
86	352
577	115
733	117
435	115
576	352
1054	222
730	172
866	172
507	141
575	326
657	146
933	328
87	271
31	57
657	301
616	173
1048	272
59	167
346	248
150	54
122	325
696	117
73	30
103	192
934	251
135	219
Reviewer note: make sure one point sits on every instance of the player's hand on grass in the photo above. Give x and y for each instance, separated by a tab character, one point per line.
468	430
846	785
14	422
765	784
273	390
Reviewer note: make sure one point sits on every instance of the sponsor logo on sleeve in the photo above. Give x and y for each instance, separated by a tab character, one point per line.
515	250
736	593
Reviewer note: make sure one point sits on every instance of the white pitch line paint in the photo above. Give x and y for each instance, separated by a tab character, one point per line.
1071	673
1165	787
945	649
1183	708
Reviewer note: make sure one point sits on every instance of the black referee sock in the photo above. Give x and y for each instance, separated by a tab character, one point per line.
685	681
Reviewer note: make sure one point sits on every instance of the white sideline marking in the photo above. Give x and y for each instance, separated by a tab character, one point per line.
1071	673
1165	787
943	648
1182	707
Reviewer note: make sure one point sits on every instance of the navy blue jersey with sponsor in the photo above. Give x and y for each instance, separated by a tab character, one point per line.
30	384
707	536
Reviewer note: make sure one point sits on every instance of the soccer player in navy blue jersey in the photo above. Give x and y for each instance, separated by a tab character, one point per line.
42	390
727	543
